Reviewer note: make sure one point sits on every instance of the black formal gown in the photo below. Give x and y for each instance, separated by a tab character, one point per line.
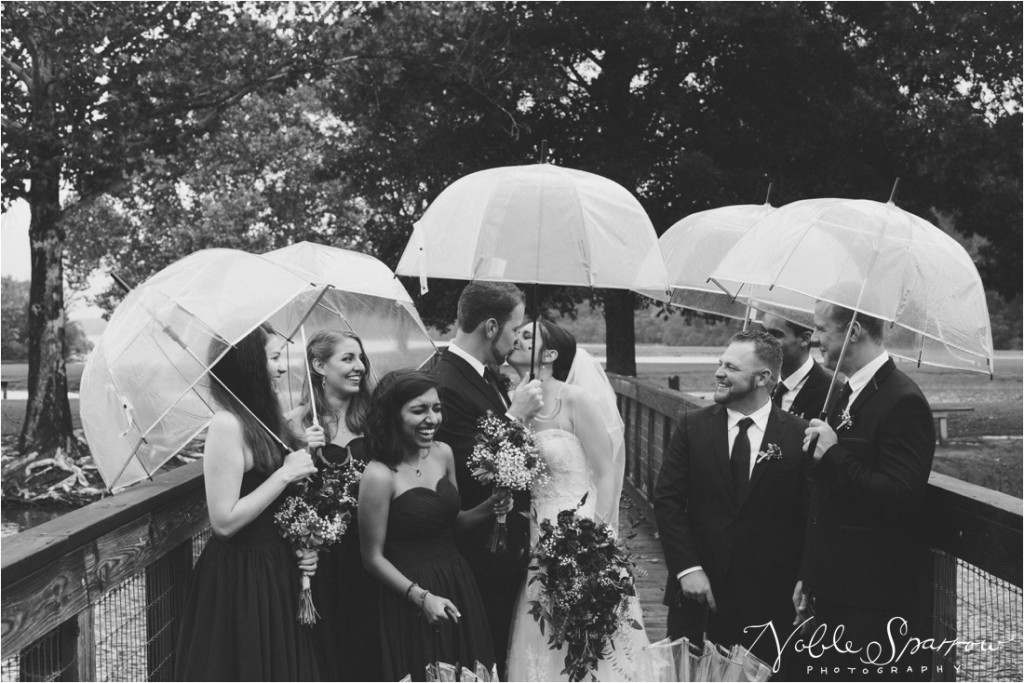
347	634
421	544
239	622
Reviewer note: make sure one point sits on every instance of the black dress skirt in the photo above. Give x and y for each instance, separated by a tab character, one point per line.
421	544
240	619
347	634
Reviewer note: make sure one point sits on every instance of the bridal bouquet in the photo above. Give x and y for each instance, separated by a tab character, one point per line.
505	456
316	515
587	579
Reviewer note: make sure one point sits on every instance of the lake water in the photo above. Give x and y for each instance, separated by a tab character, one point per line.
19	519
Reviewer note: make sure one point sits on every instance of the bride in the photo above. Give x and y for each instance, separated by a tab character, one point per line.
579	433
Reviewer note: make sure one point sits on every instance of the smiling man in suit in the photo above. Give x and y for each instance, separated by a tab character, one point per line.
865	548
489	314
804	384
731	504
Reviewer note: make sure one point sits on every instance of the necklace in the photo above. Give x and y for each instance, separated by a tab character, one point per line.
418	470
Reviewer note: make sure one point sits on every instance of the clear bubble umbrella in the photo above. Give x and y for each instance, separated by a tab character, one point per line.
537	224
694	246
146	386
364	297
872	258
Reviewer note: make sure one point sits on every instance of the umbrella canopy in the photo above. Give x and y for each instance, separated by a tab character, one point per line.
364	298
537	224
873	258
145	389
694	246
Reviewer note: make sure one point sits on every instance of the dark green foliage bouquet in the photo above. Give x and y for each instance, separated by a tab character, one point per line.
587	579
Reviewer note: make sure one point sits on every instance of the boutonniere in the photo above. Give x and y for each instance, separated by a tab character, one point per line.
845	420
507	384
769	452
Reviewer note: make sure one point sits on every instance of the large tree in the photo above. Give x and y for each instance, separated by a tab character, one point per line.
94	93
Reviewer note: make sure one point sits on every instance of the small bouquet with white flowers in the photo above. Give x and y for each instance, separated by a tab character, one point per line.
506	457
316	516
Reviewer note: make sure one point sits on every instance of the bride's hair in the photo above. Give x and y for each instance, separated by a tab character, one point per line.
557	339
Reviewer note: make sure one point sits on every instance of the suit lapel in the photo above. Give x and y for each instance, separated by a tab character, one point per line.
719	425
772	434
487	394
872	386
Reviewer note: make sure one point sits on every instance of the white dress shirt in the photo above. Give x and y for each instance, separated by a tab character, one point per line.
860	379
794	383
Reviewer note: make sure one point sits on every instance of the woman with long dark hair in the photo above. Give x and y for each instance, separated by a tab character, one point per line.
240	617
346	634
408	513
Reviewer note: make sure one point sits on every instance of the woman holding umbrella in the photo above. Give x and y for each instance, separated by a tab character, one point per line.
239	620
338	397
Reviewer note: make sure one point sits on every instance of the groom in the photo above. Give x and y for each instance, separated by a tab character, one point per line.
489	314
731	504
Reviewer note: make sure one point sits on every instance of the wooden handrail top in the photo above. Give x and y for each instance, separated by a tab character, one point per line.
34	548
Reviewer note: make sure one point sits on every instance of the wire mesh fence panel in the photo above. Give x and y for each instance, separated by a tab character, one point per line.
50	658
989	626
121	632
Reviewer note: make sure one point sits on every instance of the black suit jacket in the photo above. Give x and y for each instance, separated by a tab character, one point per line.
810	400
865	540
750	549
465	398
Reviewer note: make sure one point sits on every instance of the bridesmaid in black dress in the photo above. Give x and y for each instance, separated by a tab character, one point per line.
346	634
430	607
239	621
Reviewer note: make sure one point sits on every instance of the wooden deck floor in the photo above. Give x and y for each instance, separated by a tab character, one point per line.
637	529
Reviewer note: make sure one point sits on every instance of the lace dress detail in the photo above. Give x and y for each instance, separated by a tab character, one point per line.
529	657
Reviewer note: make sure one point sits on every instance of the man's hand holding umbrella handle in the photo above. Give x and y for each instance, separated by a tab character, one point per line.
527	400
696	586
826	438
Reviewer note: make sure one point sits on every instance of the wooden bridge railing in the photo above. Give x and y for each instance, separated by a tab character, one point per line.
94	594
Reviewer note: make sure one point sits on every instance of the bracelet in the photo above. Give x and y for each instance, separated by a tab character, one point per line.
423	597
409	589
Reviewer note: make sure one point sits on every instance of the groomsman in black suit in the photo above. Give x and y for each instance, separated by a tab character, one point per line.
489	314
731	503
865	547
804	383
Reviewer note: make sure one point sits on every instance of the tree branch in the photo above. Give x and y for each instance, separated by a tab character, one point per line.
20	73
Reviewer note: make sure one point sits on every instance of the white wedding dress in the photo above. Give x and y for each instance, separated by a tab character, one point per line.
569	478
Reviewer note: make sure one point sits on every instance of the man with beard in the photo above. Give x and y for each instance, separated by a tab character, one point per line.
489	314
865	548
731	504
804	383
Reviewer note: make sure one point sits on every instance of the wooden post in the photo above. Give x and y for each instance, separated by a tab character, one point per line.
943	623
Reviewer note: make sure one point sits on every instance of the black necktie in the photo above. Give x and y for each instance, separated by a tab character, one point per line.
739	459
780	391
842	403
492	378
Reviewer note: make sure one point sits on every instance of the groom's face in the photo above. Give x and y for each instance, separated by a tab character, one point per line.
502	343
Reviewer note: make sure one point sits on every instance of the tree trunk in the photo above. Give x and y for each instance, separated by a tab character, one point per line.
48	414
620	336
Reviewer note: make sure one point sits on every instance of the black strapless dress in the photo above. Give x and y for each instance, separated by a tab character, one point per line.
239	622
421	544
347	634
